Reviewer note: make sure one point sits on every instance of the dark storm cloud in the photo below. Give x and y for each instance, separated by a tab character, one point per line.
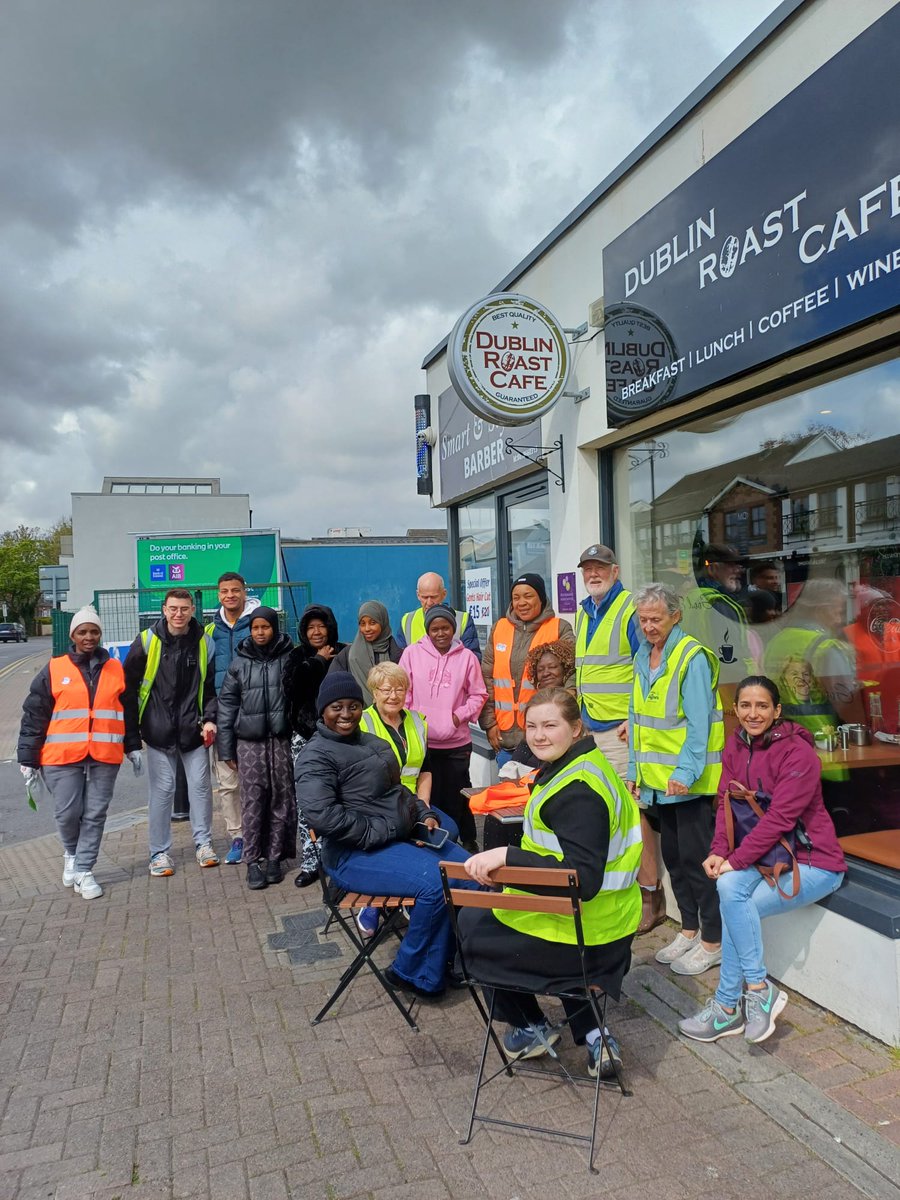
215	211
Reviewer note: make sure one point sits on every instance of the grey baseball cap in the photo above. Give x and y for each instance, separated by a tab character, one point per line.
598	553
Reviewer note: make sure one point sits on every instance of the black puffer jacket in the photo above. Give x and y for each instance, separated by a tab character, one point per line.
172	719
252	703
350	791
38	707
306	669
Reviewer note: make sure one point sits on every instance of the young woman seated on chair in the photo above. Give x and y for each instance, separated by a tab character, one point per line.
579	816
363	818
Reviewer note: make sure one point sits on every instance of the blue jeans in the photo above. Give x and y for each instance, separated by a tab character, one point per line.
404	869
744	899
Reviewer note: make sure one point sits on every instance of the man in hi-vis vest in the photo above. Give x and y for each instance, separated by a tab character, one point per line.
170	678
430	590
606	641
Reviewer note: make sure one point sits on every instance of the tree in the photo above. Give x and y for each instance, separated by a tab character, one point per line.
22	551
839	436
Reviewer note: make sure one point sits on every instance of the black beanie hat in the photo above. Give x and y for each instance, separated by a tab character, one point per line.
534	581
337	685
440	610
266	614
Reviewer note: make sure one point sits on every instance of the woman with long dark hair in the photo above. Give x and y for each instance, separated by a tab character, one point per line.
775	761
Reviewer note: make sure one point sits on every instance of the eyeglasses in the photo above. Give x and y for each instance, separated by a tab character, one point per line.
391	691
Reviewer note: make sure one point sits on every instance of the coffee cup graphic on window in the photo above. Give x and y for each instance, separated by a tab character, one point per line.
726	650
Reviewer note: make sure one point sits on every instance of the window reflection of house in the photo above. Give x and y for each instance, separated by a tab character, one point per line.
811	493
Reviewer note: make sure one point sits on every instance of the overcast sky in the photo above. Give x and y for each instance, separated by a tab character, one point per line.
231	229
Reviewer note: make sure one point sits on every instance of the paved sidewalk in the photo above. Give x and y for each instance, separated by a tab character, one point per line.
155	1046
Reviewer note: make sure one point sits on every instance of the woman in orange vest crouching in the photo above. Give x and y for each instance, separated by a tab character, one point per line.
529	622
73	733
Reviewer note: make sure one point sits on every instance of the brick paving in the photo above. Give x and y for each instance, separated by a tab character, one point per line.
155	1046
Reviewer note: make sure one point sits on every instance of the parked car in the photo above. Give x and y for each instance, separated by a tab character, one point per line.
12	631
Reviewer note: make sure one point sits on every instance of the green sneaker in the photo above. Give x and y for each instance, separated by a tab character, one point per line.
712	1022
762	1006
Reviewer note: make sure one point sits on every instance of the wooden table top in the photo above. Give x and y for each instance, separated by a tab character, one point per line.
879	754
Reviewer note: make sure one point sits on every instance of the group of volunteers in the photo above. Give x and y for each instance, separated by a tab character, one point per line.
367	745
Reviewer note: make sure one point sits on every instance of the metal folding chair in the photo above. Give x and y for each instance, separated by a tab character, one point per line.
341	906
559	895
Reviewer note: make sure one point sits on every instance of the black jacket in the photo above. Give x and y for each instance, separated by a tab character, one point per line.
38	708
172	718
252	702
305	670
350	791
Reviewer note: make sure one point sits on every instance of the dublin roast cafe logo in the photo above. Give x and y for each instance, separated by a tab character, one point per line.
508	359
642	364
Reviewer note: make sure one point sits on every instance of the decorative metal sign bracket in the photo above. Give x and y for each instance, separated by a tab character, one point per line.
584	394
540	456
578	332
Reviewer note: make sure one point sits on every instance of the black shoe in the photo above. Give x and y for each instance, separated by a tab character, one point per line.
256	877
456	980
404	985
274	873
305	878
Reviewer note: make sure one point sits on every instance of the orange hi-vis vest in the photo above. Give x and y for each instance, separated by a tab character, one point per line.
76	730
507	706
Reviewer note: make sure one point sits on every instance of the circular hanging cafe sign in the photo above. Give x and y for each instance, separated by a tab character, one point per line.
508	359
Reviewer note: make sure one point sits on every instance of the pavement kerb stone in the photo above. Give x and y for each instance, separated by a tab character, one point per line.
866	1160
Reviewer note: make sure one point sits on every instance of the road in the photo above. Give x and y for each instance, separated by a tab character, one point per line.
19	663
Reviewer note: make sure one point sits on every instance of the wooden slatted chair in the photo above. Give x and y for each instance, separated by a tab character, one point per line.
342	906
559	895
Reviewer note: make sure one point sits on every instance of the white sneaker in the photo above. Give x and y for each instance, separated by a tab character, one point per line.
678	946
69	871
87	886
698	960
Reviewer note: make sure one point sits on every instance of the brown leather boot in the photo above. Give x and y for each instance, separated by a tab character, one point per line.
653	908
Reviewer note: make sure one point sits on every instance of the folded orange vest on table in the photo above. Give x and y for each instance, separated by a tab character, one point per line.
502	795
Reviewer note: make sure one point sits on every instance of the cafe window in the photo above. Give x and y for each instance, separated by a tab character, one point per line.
806	502
500	536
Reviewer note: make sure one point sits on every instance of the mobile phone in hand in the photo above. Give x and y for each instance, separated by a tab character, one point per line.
208	738
435	838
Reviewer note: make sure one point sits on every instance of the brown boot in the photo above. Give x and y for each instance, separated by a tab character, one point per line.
653	908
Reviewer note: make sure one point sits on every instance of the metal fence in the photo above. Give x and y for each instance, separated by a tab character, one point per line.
61	622
126	611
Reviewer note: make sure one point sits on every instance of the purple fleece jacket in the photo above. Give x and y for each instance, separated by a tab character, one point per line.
443	686
784	764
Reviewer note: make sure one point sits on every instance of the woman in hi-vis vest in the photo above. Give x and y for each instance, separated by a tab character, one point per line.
73	734
581	817
530	621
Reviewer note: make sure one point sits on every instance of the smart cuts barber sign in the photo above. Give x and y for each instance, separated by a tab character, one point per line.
508	359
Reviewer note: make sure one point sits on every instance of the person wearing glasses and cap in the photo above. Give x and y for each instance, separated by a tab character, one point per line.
715	611
607	638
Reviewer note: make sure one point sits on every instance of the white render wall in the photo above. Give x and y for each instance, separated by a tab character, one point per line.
103	526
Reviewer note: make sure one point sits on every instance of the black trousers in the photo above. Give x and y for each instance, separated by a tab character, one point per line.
524	1008
449	775
685	831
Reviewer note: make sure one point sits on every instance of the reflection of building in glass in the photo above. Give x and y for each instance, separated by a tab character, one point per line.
810	495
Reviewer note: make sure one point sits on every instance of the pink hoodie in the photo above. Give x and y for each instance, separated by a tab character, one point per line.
443	686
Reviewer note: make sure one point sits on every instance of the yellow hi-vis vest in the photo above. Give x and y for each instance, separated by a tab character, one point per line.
415	734
659	728
153	649
603	669
413	624
789	658
616	909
